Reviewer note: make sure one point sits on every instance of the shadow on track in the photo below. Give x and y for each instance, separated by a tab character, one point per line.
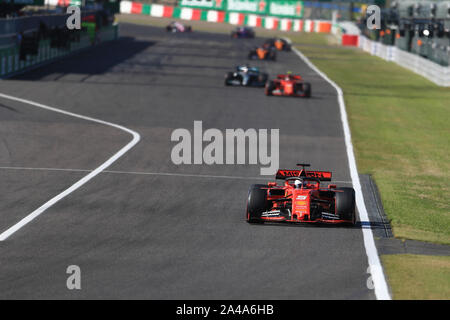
8	108
358	225
92	61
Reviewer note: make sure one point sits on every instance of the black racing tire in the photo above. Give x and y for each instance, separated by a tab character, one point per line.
256	203
307	89
270	86
228	78
263	77
252	54
345	205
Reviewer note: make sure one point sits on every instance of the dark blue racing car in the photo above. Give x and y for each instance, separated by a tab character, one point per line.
243	32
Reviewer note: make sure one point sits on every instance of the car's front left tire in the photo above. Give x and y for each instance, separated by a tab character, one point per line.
345	205
228	78
270	86
256	203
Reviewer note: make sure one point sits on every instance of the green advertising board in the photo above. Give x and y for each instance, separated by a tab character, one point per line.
204	4
286	8
278	8
247	6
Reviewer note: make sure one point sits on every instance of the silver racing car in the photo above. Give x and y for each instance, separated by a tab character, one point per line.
246	76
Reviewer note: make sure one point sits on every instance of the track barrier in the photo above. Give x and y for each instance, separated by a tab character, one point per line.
434	72
217	16
11	64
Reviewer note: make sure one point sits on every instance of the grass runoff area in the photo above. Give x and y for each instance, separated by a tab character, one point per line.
401	135
418	276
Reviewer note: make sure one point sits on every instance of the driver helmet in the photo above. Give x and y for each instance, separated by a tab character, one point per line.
288	75
299	183
244	68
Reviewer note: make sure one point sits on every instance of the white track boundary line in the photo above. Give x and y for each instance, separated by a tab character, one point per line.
136	137
376	269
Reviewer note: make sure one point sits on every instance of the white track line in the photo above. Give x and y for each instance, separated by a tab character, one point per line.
376	269
85	179
169	174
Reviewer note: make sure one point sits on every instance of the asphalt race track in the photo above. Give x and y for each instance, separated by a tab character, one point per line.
147	228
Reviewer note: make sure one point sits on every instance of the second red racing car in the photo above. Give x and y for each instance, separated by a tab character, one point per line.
288	85
301	199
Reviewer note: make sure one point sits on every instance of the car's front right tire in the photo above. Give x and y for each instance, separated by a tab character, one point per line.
345	205
307	89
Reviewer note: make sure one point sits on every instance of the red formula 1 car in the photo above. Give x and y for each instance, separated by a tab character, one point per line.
288	85
301	199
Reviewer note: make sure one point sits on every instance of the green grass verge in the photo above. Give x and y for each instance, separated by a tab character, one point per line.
417	276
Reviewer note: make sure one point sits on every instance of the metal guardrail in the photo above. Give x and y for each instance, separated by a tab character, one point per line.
426	68
10	27
11	64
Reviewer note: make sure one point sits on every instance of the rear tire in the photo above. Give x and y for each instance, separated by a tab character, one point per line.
345	204
256	203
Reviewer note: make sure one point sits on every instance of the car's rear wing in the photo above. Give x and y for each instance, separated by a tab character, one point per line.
283	174
294	77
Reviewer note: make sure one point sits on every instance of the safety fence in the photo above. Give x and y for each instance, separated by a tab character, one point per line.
426	68
234	18
9	28
10	62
